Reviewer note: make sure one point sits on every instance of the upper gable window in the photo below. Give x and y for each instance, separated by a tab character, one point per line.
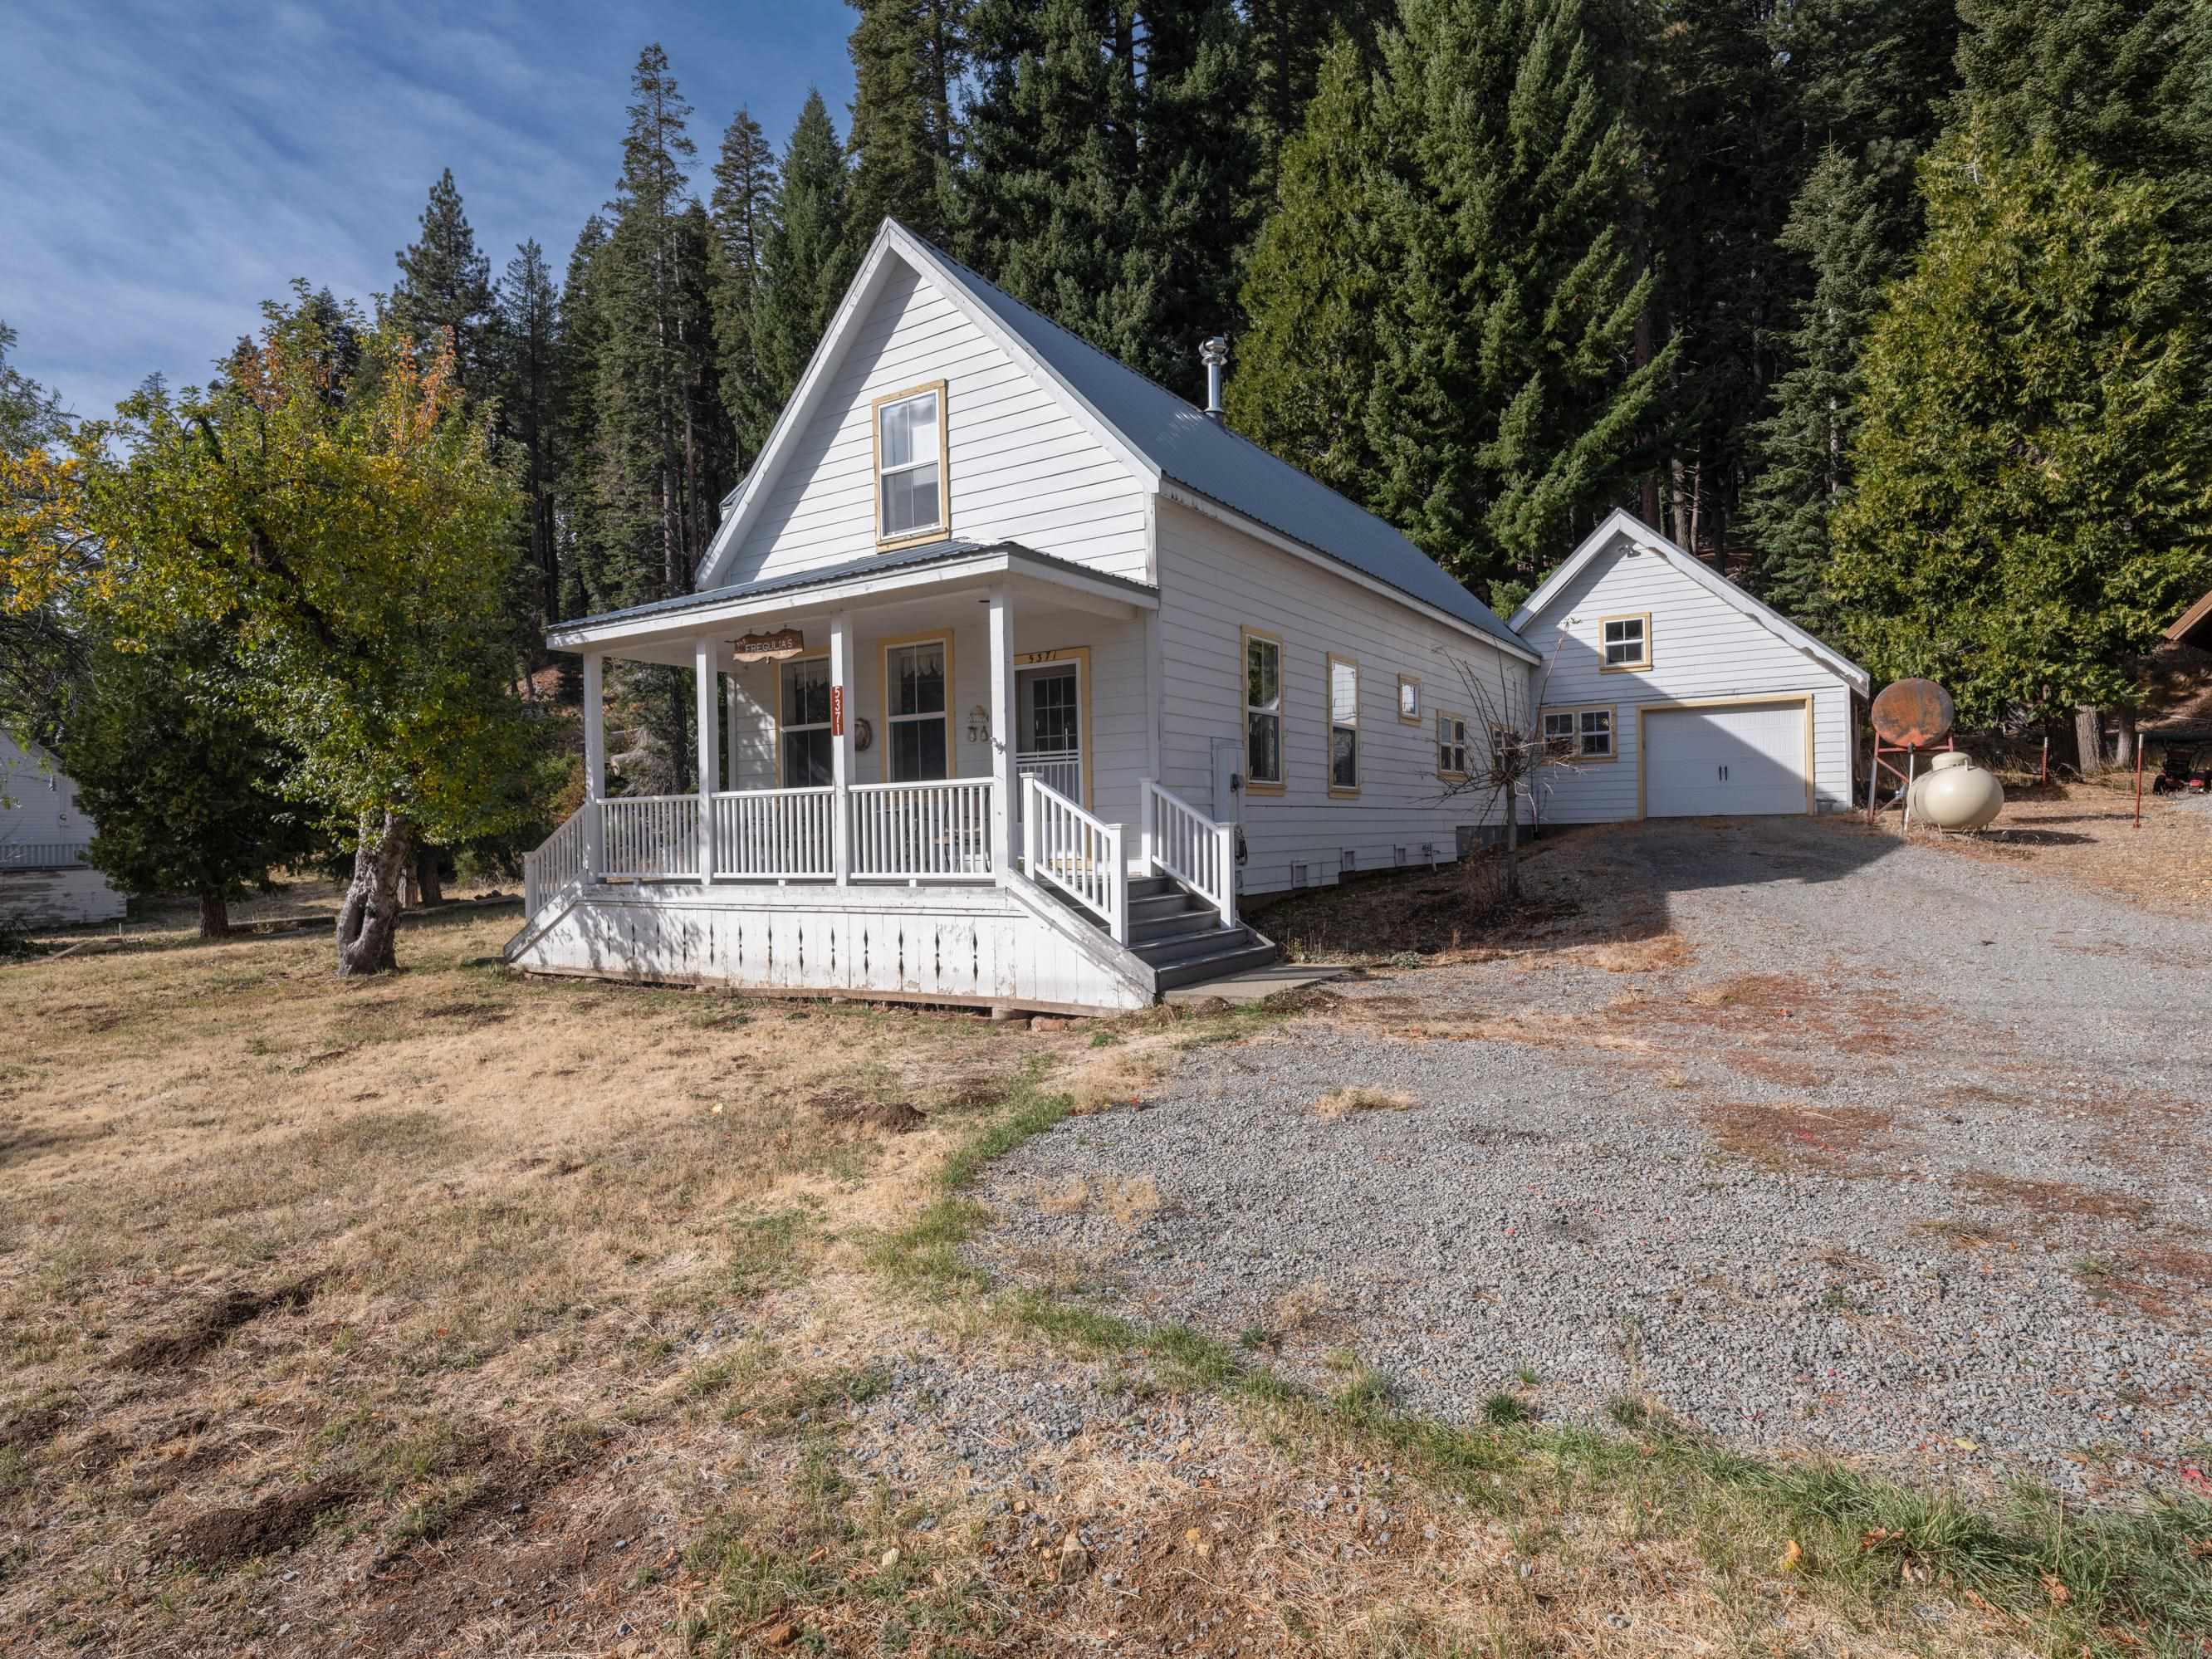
911	463
1627	641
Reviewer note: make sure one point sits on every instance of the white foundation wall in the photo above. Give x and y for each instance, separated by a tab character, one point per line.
973	945
1702	648
1216	581
1020	467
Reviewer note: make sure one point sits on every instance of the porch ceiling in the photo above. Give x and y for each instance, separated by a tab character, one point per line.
904	581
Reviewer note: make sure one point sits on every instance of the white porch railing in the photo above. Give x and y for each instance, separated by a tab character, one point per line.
1057	770
554	864
921	831
777	834
1182	841
650	836
1080	854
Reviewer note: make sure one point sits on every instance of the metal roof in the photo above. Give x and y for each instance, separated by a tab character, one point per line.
1204	455
904	558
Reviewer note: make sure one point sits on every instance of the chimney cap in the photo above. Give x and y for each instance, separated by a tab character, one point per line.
1214	351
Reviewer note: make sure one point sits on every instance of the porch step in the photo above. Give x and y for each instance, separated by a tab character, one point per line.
1178	935
1196	942
1196	970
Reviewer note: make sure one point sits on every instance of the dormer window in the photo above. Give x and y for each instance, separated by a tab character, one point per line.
910	503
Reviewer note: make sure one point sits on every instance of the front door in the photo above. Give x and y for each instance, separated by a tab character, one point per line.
1048	728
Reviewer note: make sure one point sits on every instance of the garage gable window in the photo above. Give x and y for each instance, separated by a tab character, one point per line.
1578	734
1627	641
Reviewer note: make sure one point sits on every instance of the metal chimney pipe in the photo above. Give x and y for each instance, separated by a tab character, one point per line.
1213	353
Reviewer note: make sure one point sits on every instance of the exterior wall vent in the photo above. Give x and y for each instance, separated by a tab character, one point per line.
1298	875
1350	859
1399	852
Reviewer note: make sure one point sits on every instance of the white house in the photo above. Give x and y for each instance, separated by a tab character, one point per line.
44	879
1670	692
1014	671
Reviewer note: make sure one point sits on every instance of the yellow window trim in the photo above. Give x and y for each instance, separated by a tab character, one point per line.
1611	711
1244	638
1329	726
1605	667
1466	734
935	636
943	528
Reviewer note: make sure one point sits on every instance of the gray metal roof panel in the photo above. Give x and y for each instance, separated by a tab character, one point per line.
1205	455
902	558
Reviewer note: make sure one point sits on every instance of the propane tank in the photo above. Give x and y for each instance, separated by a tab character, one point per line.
1954	793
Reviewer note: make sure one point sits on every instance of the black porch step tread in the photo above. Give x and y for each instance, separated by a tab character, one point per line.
1196	970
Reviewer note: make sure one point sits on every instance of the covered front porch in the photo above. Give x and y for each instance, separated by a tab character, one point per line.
875	740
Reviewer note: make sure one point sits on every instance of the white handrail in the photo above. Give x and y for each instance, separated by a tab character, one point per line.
1182	841
779	835
651	837
1079	854
938	830
552	866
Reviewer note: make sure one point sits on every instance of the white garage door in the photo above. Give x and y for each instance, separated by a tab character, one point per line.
1700	763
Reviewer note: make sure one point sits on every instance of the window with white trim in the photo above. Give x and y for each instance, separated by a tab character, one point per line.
1409	699
803	723
910	465
919	739
1451	745
1263	711
1343	726
1627	641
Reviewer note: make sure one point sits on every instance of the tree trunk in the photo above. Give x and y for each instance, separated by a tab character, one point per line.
214	916
1512	847
428	889
2089	741
370	915
2124	757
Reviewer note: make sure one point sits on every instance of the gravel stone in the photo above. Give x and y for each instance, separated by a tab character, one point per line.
2008	1276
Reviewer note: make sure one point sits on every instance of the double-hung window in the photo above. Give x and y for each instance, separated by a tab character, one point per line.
1451	746
1263	712
1578	734
917	739
910	464
1343	726
803	723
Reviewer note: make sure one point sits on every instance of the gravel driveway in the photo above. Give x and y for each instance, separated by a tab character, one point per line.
1814	1140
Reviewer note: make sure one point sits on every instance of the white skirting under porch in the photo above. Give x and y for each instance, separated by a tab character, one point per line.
975	946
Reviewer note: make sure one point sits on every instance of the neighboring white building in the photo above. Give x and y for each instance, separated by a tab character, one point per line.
1670	692
1014	674
44	880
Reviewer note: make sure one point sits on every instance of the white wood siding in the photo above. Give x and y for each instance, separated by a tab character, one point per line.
973	946
1701	647
1021	467
1216	581
39	806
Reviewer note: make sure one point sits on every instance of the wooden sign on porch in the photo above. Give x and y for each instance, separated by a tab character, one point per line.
768	647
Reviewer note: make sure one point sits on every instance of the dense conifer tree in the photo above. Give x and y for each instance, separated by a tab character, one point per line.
909	56
444	295
743	211
807	259
529	340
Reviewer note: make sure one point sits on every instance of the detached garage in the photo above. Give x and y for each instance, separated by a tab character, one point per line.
1668	691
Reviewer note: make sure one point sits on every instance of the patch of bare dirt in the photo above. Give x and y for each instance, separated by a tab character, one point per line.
212	1326
221	1538
896	1117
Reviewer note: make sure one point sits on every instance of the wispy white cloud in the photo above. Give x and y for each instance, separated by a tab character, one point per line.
165	168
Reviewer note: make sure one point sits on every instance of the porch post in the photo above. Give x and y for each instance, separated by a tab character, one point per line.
1002	731
708	738
595	764
841	745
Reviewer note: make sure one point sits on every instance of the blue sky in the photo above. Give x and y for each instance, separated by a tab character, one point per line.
164	167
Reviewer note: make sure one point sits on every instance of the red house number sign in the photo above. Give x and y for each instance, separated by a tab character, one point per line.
836	711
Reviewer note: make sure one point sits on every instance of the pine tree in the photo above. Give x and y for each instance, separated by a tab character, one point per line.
2034	500
1485	180
743	211
1286	42
908	56
1872	79
586	583
529	340
444	295
807	259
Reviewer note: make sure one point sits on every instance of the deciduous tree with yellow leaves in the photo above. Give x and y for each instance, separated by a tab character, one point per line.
329	503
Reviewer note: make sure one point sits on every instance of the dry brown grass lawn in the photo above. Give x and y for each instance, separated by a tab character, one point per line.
1361	1097
456	1312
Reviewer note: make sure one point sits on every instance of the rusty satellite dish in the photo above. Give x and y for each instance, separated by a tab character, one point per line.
1912	714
